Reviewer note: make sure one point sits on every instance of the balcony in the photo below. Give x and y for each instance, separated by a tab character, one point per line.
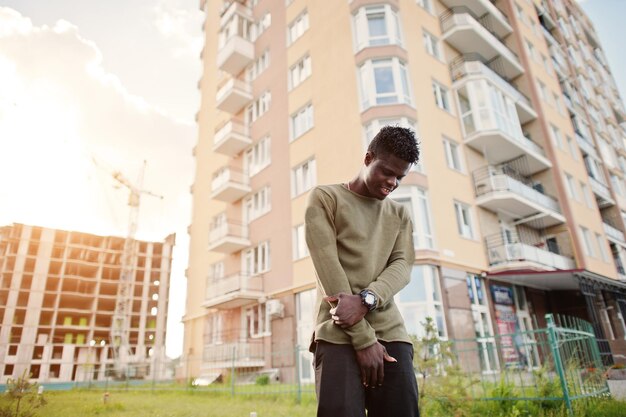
512	254
552	42
470	34
487	12
602	193
236	54
503	191
233	291
473	66
613	233
233	354
228	238
545	19
233	96
585	145
231	138
229	185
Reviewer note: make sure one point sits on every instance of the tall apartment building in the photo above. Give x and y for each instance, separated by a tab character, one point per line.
58	291
519	202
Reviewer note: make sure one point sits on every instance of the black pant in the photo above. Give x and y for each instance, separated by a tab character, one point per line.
340	392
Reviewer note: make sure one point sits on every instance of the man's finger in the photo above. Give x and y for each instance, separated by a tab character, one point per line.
363	376
381	374
387	357
331	298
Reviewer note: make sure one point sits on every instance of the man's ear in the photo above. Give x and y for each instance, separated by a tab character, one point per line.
369	157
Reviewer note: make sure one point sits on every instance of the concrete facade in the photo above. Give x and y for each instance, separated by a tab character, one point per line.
520	192
57	300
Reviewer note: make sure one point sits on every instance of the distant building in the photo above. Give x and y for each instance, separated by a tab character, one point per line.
58	294
518	204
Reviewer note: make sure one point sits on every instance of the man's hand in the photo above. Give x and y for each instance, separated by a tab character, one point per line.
349	311
371	360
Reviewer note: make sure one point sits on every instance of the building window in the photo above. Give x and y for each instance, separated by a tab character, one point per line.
300	249
416	201
257	205
298	27
421	298
571	187
258	156
431	43
301	121
376	25
216	271
384	81
588	244
557	138
602	247
257	67
442	98
374	126
257	321
214	329
303	178
483	329
426	5
484	106
259	27
587	195
453	154
463	220
257	260
299	72
305	325
573	148
258	107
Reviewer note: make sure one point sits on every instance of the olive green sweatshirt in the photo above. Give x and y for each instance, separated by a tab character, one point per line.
358	242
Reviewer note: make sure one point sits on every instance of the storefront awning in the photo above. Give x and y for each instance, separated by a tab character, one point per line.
558	280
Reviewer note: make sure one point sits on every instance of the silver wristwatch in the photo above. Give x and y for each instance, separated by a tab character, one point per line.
369	299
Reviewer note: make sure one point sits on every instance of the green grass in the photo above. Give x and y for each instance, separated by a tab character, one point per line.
83	403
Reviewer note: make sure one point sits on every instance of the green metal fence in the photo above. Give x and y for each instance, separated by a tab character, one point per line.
553	366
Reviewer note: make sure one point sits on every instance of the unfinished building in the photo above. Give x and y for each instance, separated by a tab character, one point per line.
58	295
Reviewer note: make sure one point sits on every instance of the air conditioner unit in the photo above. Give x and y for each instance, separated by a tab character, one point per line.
274	308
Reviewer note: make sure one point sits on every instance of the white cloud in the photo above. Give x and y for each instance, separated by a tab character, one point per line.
179	26
58	108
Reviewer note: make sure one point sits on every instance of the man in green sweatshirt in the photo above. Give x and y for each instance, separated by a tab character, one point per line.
361	244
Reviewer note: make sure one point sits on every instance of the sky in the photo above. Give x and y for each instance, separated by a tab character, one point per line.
90	87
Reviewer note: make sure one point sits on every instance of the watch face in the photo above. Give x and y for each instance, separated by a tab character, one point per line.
369	299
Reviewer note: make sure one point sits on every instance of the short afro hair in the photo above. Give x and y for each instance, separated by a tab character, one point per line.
397	141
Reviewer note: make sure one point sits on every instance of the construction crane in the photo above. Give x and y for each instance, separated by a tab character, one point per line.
120	326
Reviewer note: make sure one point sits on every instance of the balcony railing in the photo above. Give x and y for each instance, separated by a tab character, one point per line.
469	33
490	179
238	354
231	138
476	64
233	95
602	191
613	232
228	237
585	145
233	290
235	55
229	185
501	251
